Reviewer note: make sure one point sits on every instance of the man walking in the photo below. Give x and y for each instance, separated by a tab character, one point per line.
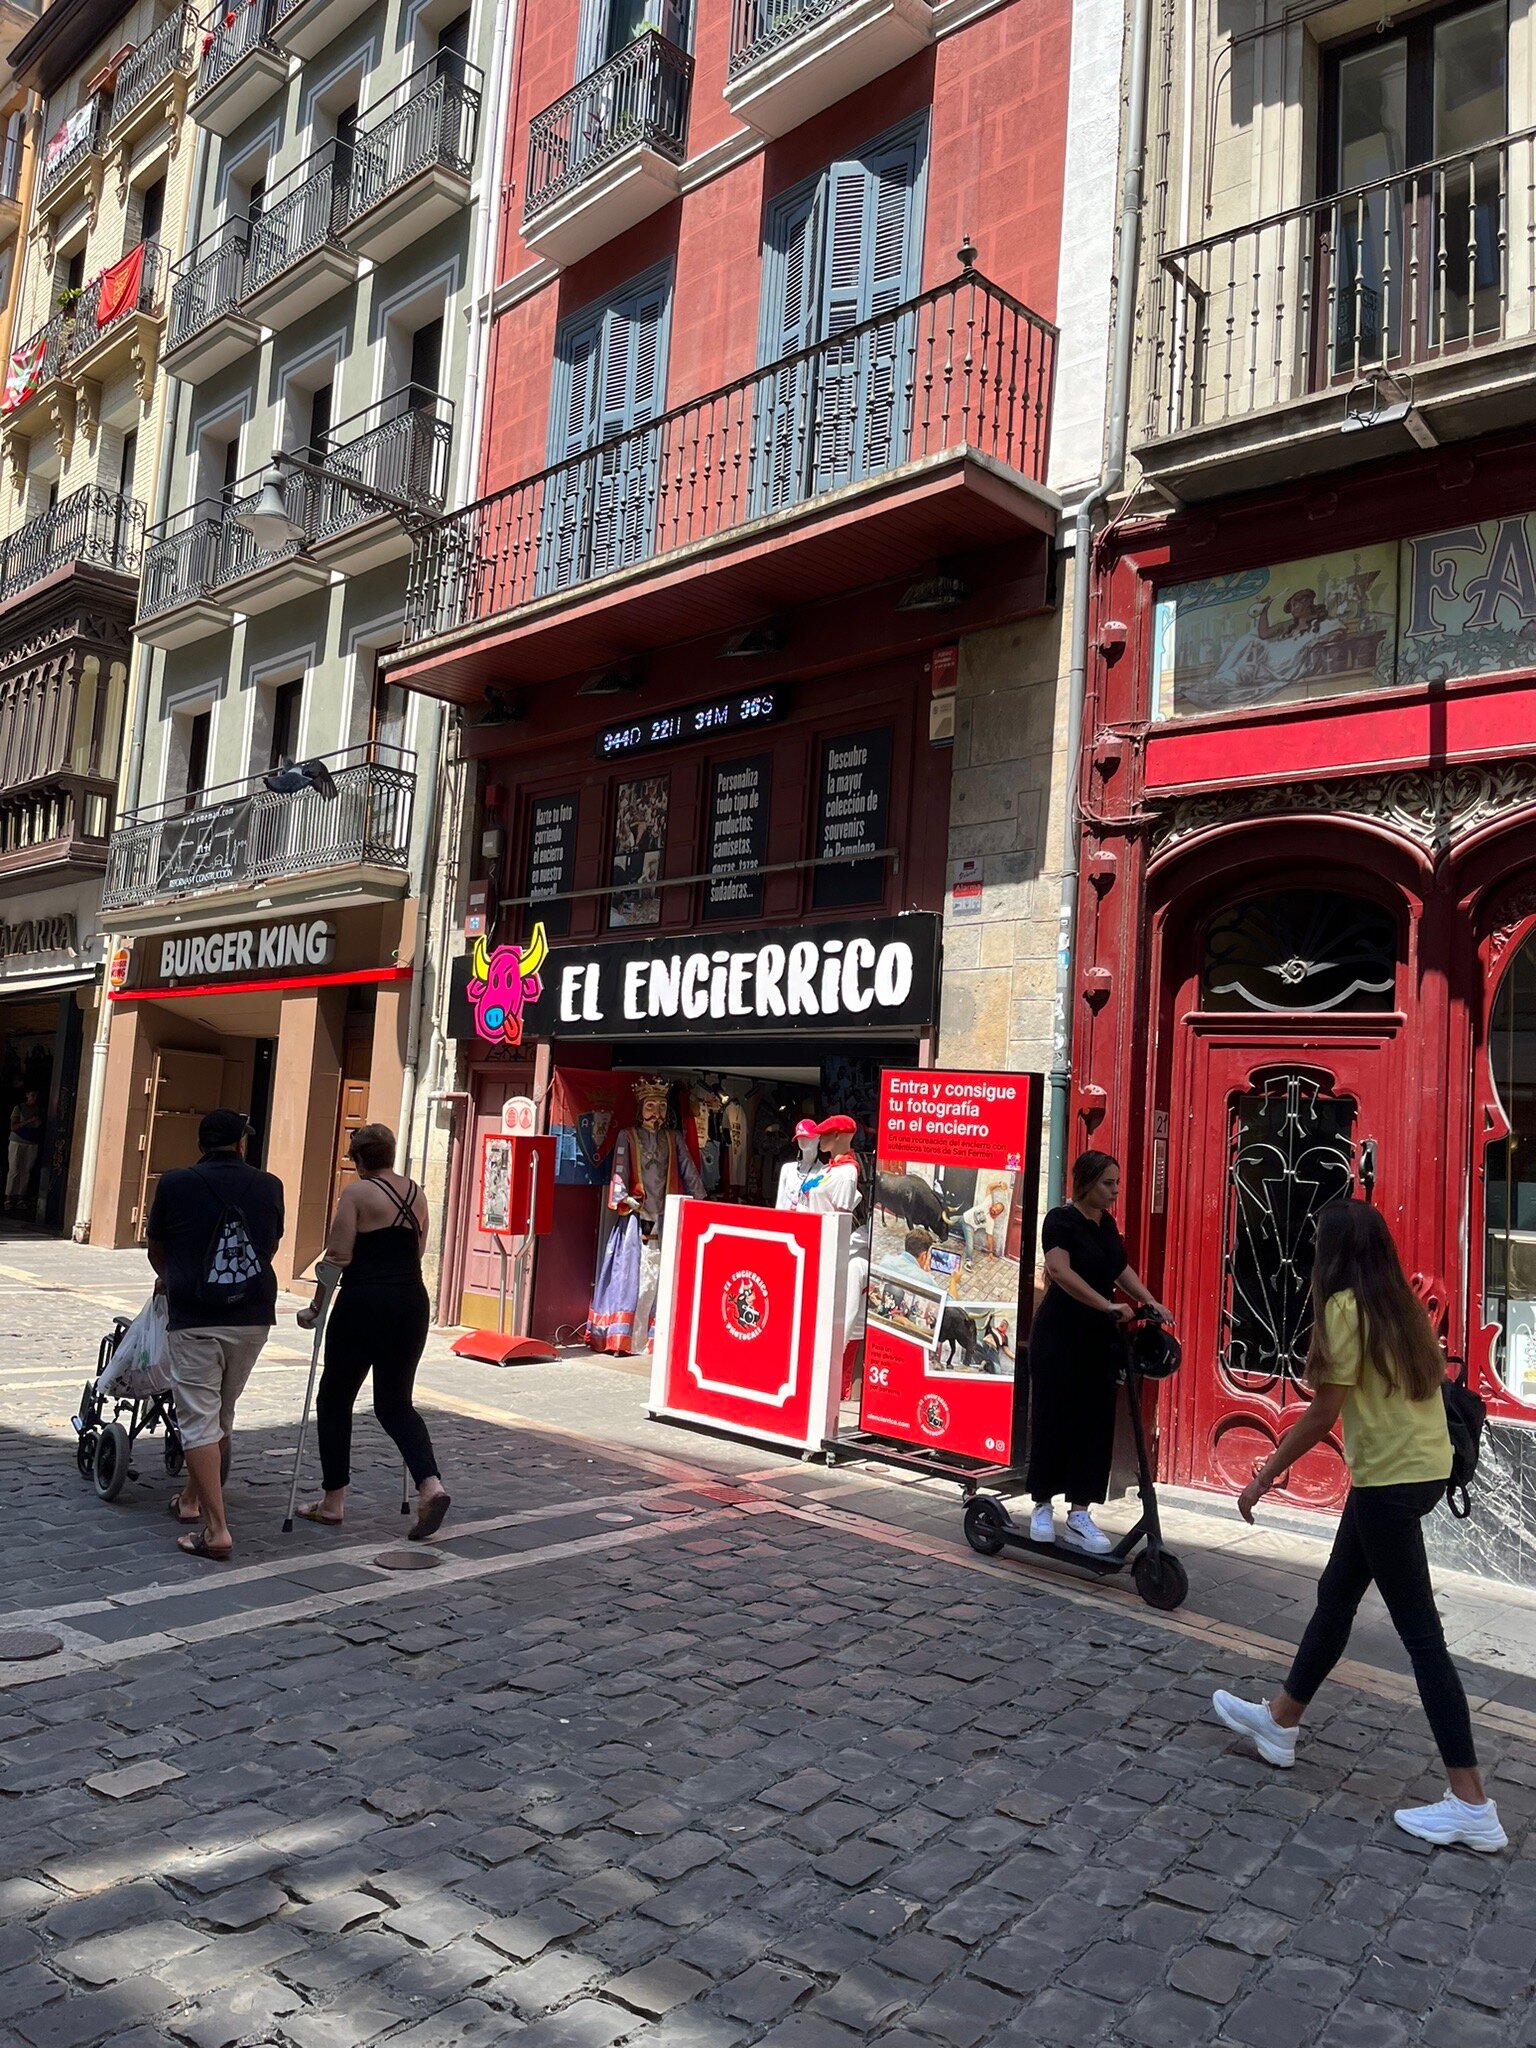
26	1136
213	1229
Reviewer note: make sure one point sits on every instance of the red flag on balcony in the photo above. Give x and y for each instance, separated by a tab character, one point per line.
23	376
119	292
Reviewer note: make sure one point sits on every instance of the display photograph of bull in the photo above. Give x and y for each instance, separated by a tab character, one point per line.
954	1232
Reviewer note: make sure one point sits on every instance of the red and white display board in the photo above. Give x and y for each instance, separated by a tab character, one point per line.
749	1321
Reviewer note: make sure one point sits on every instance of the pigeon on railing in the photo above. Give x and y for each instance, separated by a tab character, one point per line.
293	776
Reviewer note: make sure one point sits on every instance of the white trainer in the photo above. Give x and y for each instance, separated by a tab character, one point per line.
1453	1820
1083	1533
1275	1744
1042	1525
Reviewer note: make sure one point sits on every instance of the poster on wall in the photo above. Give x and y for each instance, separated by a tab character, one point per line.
587	1111
552	860
853	801
738	837
496	1184
639	848
952	1260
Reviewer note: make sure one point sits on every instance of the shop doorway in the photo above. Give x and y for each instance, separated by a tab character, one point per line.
183	1087
352	1105
30	1046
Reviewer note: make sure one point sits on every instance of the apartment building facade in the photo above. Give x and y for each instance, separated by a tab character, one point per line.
96	203
755	626
1306	957
265	877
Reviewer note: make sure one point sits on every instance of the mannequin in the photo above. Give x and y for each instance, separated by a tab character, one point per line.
649	1163
792	1174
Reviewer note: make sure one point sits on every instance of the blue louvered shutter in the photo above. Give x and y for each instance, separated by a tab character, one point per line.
572	430
630	394
782	405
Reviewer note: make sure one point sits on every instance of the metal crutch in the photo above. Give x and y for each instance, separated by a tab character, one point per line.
327	1279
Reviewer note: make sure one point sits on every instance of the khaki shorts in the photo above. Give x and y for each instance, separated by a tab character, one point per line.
209	1369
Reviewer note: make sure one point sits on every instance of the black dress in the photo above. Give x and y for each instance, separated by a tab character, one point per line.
1074	1352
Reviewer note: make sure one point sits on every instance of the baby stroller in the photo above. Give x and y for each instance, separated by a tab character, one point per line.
126	1400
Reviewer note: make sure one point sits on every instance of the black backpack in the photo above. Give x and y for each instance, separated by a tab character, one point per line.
230	1265
1465	1415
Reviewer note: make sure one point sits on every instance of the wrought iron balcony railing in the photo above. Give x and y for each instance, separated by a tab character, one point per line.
90	525
639	95
70	144
208	281
399	447
37	362
97	311
231	32
300	214
1403	272
243	833
964	368
170	48
430	119
182	560
760	27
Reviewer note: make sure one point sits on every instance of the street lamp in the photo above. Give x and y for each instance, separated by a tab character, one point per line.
272	526
268	521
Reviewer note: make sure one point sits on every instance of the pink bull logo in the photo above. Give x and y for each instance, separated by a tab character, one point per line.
503	981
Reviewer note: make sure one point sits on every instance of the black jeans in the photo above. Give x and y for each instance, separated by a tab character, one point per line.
1381	1537
382	1330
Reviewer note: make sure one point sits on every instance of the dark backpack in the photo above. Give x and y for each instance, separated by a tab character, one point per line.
1465	1415
230	1265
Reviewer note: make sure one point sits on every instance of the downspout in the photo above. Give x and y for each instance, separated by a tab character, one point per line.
1122	344
478	314
133	767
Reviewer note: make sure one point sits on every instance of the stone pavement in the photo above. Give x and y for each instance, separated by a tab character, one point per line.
685	1745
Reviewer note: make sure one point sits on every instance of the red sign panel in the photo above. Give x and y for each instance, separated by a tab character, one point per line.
749	1320
952	1260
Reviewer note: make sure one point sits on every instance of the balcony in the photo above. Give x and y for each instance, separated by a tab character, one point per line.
920	434
608	153
1268	337
306	26
118	317
241	66
242	836
207	330
413	159
33	395
399	447
71	170
153	82
791	58
182	574
90	525
295	259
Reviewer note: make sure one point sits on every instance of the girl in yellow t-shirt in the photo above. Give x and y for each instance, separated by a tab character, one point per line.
1375	1365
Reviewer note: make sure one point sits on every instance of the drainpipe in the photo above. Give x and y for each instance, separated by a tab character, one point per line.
478	316
133	767
1122	342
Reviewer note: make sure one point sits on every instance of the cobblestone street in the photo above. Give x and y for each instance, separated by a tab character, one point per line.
685	1746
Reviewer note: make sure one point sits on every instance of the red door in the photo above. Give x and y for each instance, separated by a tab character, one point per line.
1274	1128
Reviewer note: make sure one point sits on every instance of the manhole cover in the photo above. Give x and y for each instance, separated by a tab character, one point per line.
18	1644
418	1560
606	1516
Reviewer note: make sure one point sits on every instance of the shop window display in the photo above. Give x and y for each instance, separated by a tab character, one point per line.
1509	1252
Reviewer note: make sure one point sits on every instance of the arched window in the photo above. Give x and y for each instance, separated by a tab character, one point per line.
1300	949
1509	1178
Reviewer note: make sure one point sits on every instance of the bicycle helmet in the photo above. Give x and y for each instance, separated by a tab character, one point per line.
1155	1352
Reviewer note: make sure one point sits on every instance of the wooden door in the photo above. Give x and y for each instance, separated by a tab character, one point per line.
352	1112
1274	1130
183	1087
480	1286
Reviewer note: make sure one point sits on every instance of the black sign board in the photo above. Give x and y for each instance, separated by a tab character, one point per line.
863	974
552	860
853	803
738	837
744	710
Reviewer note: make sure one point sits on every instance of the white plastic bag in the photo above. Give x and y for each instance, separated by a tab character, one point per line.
141	1364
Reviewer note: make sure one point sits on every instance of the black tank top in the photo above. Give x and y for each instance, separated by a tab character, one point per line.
391	1254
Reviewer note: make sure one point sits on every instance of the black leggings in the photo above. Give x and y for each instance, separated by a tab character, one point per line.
1381	1537
380	1330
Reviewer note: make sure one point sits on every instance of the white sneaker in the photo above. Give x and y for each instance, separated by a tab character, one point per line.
1042	1525
1083	1533
1452	1820
1275	1744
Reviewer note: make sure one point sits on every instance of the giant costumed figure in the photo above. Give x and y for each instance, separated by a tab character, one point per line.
649	1163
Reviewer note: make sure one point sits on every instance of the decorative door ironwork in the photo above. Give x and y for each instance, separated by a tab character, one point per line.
1290	1150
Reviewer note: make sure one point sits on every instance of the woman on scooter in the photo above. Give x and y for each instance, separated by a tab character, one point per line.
1374	1362
1075	1352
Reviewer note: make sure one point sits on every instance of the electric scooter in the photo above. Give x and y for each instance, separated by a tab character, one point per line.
1160	1578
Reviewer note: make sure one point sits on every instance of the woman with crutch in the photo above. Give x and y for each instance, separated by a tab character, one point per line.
379	1325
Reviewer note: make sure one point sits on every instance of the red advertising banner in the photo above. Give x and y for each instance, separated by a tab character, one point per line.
749	1320
952	1261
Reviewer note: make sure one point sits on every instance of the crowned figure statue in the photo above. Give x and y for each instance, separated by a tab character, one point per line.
650	1162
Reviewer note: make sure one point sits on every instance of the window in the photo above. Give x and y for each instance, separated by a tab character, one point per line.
609	380
1300	949
839	250
453	48
387	713
1416	254
1509	1179
608	26
315	440
151	210
128	456
287	706
426	371
199	738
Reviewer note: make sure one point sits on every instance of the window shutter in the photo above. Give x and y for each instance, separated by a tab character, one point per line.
792	305
892	268
568	492
628	472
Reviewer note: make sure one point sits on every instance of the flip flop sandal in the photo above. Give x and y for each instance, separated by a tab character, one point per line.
312	1513
430	1520
197	1546
173	1509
